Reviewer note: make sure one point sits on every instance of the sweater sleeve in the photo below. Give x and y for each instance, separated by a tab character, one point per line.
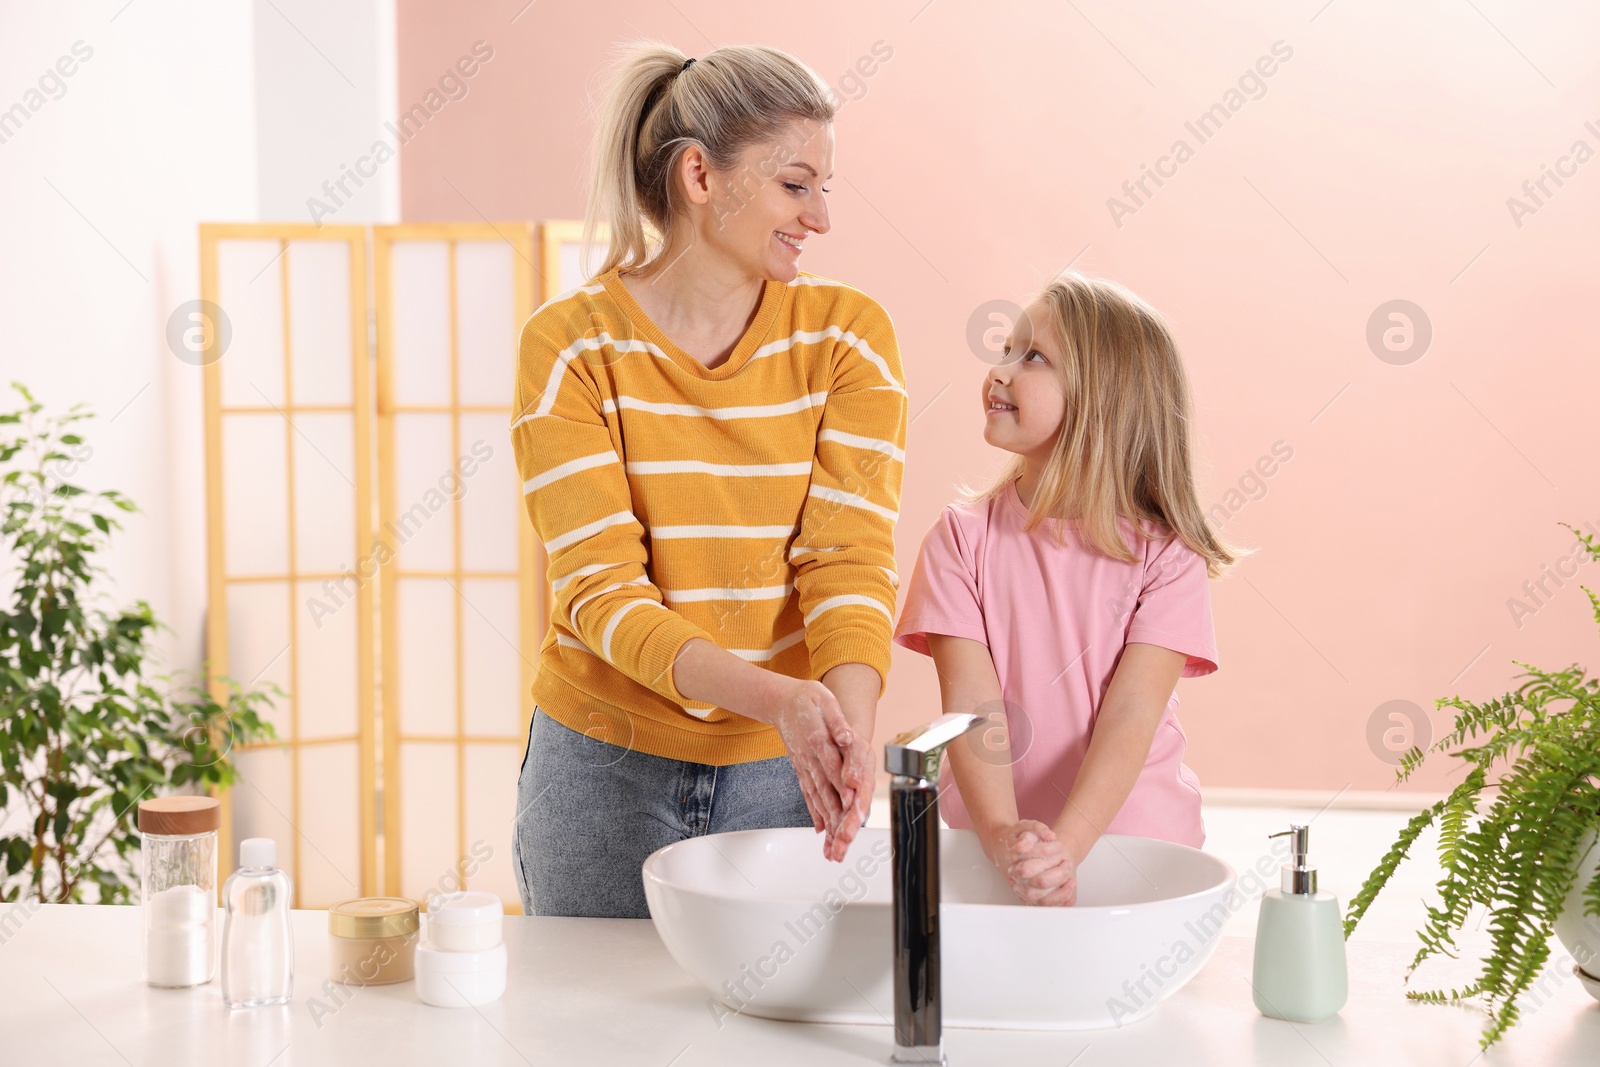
578	499
844	553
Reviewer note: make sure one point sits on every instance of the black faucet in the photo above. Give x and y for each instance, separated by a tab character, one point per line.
913	758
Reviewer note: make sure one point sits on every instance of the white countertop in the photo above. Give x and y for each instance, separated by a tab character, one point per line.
605	991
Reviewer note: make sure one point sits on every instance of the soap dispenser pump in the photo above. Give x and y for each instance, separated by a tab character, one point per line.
1300	970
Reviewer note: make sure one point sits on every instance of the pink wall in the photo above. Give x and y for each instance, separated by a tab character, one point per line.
1376	164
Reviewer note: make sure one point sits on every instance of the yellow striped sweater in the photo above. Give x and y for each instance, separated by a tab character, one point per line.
752	504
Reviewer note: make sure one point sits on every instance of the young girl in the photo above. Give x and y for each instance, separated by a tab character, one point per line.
1065	602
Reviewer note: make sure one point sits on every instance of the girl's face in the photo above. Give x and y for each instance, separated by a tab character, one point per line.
762	212
1023	399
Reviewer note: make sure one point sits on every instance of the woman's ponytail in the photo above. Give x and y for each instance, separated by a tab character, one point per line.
654	107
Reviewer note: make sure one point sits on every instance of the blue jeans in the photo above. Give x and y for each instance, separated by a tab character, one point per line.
589	813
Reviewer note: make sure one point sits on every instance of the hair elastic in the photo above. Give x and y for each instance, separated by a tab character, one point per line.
685	65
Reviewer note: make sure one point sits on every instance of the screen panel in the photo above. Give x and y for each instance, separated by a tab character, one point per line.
289	507
460	623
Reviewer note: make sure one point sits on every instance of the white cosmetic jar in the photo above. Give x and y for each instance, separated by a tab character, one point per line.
464	922
460	979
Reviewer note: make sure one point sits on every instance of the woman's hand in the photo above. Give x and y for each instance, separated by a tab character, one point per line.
832	759
1038	865
832	764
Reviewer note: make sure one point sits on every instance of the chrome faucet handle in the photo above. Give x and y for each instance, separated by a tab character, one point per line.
917	753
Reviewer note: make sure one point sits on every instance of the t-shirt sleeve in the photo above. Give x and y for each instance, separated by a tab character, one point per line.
943	595
1174	607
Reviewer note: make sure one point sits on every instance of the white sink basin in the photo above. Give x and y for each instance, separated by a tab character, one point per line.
773	929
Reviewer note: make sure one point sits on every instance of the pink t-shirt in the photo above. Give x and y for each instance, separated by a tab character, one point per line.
1055	619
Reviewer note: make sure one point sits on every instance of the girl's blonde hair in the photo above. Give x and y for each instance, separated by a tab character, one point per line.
1123	448
654	108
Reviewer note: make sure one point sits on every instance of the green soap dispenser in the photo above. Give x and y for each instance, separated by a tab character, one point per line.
1299	966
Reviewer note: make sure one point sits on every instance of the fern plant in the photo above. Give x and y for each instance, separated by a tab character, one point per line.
1513	834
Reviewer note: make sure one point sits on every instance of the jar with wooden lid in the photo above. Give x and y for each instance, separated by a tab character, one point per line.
372	940
178	889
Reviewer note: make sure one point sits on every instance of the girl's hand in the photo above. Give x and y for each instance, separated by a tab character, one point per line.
1040	869
830	762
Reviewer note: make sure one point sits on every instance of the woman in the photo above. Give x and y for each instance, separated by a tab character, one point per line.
711	443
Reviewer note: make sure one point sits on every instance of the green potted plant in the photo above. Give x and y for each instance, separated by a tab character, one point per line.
84	734
1516	837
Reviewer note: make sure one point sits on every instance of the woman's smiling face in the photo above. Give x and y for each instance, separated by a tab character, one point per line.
762	212
1023	399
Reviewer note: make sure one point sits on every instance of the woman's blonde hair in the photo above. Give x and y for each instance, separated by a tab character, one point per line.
1123	449
653	109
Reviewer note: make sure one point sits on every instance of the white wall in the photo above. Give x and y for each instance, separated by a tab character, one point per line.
184	111
324	77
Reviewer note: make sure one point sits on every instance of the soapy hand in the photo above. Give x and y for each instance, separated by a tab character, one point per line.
1041	871
857	772
833	765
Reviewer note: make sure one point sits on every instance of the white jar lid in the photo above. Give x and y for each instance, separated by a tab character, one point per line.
435	961
466	909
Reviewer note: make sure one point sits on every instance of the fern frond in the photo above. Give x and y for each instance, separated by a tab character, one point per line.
1439	996
1386	866
1513	844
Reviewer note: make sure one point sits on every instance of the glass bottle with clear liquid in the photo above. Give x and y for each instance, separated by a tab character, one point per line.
257	943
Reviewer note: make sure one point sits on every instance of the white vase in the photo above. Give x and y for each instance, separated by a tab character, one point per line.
1580	933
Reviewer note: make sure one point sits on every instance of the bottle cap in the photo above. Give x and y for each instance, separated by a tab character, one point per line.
258	852
1299	876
